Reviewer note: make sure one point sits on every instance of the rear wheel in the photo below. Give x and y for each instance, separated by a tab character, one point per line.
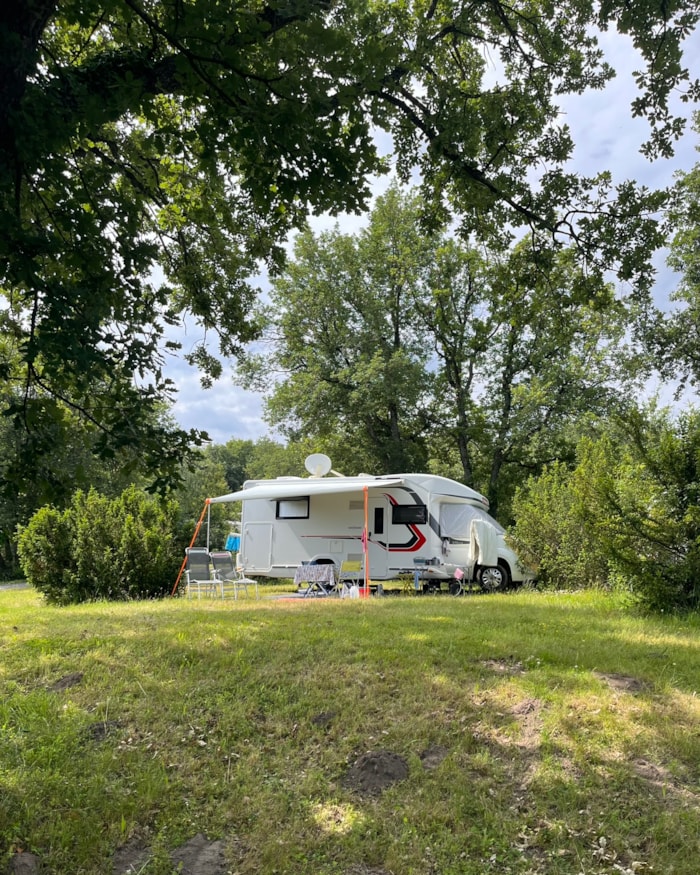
494	577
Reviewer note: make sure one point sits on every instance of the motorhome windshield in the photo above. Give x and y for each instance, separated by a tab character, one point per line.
456	519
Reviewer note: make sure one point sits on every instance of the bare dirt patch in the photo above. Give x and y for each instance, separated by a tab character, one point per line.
529	716
66	682
431	757
198	856
24	864
359	869
374	771
102	730
130	858
622	683
661	778
507	665
324	719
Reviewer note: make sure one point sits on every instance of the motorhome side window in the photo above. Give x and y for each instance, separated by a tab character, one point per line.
409	513
378	520
293	509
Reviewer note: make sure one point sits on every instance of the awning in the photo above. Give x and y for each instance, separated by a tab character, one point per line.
306	486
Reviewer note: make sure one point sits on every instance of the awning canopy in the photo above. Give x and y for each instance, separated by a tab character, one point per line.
306	486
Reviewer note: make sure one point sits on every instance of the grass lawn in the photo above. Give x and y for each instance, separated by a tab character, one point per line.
533	733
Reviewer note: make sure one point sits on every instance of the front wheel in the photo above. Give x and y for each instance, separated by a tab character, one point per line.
494	577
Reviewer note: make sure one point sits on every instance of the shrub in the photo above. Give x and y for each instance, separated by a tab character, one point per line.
629	511
44	549
550	534
645	509
102	548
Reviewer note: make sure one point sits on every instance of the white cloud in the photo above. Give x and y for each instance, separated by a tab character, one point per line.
225	411
608	137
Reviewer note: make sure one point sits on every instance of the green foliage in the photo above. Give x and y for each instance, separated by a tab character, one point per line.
271	459
550	533
101	548
45	551
645	508
675	336
134	186
403	349
233	457
153	155
527	344
205	479
629	511
348	342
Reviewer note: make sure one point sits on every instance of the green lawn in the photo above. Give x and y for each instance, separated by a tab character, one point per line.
541	733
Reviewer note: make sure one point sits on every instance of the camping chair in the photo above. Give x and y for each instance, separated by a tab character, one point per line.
198	574
350	574
230	579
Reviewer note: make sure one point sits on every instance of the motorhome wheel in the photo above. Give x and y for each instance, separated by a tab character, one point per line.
494	577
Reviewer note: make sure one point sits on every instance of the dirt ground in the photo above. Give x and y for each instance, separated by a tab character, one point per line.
198	856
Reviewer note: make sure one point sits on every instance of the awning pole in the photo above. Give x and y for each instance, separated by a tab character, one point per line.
365	539
194	538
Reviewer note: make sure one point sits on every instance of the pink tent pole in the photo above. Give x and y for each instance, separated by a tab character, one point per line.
365	541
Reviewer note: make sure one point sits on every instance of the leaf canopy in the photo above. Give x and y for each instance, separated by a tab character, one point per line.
154	155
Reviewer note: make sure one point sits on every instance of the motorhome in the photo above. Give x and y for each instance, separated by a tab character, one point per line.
432	528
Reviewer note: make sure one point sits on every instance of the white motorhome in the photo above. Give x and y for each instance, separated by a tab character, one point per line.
427	526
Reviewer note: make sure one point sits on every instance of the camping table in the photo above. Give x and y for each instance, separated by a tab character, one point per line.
321	578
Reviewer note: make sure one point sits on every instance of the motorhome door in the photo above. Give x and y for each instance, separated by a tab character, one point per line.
256	546
378	520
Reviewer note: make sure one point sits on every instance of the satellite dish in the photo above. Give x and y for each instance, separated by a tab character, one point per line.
317	464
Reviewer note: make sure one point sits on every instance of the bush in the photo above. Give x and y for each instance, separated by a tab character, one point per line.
629	511
550	534
100	548
44	550
645	509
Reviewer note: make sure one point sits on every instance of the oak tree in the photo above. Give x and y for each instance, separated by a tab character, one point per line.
154	153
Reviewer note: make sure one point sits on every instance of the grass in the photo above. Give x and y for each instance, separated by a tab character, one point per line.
566	733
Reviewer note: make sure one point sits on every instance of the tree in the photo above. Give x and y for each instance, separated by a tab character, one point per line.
397	346
546	352
137	137
345	338
152	154
675	336
631	503
234	457
271	459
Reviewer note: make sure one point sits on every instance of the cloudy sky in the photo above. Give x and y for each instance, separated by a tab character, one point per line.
606	137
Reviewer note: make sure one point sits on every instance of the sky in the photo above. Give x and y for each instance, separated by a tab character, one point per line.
606	137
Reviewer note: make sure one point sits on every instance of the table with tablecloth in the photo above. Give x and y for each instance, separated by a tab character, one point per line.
320	578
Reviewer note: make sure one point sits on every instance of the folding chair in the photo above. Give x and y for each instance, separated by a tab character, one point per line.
231	580
350	574
198	574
